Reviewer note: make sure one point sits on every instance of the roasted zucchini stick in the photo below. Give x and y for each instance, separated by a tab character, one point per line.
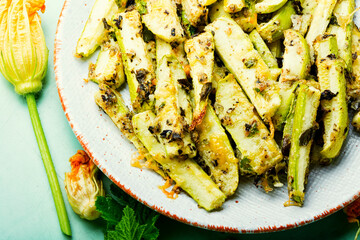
304	127
356	121
233	6
269	6
177	50
217	10
288	125
287	94
186	173
194	11
93	33
353	84
200	53
109	67
333	94
320	21
263	50
113	105
161	19
138	67
247	17
237	52
259	152
216	153
343	12
170	116
206	2
274	29
151	53
296	63
302	22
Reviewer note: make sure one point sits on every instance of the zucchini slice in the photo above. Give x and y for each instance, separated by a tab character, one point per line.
276	48
269	6
353	84
304	126
109	68
333	95
138	67
186	173
161	19
320	21
194	11
237	52
170	116
274	29
247	17
93	33
302	22
356	121
113	105
216	153
263	50
200	53
177	50
206	2
233	6
259	152
296	63
217	10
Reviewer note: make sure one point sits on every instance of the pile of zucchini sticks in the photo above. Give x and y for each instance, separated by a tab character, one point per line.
226	88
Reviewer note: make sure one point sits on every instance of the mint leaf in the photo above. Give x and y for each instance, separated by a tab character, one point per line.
151	231
109	210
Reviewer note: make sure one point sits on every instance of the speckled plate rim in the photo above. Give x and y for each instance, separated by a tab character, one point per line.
79	136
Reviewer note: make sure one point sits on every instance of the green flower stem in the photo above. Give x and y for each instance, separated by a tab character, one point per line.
49	167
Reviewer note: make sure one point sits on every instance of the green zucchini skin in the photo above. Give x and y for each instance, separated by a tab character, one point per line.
303	129
263	49
259	151
187	174
269	6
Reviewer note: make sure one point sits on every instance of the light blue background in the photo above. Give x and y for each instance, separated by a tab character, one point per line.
26	205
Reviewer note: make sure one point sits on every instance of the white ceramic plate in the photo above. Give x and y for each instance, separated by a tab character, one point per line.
249	210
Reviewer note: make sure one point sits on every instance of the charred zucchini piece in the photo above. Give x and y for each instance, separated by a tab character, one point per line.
138	67
233	6
263	50
161	19
186	173
259	152
93	33
239	56
287	94
320	21
353	84
216	153
194	11
343	12
269	6
169	115
109	68
274	29
304	127
113	105
296	63
200	53
333	95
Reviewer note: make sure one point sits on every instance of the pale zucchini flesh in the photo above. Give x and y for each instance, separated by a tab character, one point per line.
239	56
161	19
247	17
176	139
302	22
200	54
263	49
233	6
304	126
274	29
109	68
216	152
269	6
259	151
353	84
137	65
333	88
217	10
93	33
296	63
194	11
164	48
186	173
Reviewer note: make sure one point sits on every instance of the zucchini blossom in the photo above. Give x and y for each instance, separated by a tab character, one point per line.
24	55
82	186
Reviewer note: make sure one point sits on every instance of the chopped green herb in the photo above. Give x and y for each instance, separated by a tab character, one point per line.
245	164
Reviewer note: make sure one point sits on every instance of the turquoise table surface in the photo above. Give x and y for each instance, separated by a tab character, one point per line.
26	206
